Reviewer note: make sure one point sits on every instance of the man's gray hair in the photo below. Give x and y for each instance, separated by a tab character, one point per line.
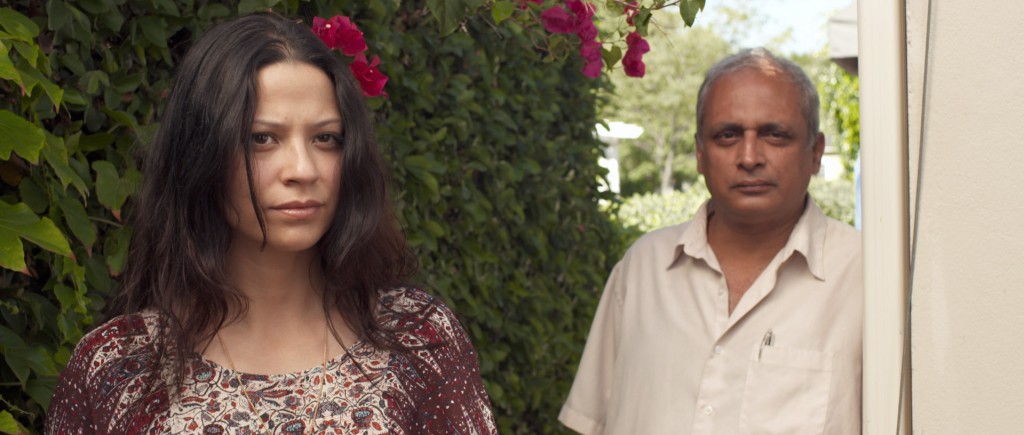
763	60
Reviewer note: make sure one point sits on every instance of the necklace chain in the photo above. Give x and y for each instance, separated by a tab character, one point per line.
245	391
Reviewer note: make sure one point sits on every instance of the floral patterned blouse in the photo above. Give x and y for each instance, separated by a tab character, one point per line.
434	388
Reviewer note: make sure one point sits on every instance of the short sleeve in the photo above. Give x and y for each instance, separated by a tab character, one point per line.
446	394
587	405
104	379
69	411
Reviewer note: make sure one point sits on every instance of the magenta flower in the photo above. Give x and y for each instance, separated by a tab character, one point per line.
370	78
340	33
557	20
591	52
631	9
584	11
633	61
586	31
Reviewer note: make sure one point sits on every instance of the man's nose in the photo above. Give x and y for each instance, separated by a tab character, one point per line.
751	155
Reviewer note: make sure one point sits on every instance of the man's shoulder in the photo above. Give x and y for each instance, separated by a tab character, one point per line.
840	235
660	239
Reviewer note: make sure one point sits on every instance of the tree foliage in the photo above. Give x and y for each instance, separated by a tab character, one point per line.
664	103
494	164
840	103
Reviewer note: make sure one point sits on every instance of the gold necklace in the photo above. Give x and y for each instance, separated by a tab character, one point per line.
252	405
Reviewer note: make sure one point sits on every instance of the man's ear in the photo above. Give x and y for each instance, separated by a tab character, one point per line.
817	150
699	149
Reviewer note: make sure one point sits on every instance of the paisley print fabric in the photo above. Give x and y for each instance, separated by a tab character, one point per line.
432	388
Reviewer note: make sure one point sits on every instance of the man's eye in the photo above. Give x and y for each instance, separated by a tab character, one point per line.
727	135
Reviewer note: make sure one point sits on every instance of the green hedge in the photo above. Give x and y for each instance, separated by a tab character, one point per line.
494	163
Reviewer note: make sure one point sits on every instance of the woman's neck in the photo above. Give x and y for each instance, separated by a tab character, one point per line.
277	284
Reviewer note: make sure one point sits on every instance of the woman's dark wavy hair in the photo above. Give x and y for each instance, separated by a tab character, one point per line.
180	234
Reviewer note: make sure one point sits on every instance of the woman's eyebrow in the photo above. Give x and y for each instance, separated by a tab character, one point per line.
318	124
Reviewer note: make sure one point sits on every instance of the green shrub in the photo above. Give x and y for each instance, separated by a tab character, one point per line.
650	211
492	153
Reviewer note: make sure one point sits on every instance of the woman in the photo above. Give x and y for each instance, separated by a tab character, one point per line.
263	292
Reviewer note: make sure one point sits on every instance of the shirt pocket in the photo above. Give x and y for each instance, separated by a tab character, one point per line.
787	391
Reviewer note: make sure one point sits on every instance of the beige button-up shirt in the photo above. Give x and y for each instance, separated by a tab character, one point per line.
664	356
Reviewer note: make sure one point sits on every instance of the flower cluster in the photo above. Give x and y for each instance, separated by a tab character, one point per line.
633	61
578	19
341	34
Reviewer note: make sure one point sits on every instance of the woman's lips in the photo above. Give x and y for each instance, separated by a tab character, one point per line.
299	209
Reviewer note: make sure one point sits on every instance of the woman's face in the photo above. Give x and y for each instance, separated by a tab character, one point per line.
296	161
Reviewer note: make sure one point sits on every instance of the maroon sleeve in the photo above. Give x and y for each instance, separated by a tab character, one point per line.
104	381
444	386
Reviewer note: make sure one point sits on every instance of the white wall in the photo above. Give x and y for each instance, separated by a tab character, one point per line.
968	295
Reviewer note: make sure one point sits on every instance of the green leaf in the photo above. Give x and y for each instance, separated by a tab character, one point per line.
109	189
23	359
611	56
7	69
501	10
115	248
153	29
19	136
57	15
41	389
18	25
56	155
12	252
688	10
92	80
449	13
213	10
33	77
19	220
78	220
250	6
9	425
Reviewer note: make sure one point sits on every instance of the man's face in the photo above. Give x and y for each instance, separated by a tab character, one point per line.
756	156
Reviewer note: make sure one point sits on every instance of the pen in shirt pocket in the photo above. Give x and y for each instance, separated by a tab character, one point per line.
768	340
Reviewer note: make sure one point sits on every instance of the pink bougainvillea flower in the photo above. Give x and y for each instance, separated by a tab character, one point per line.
370	78
636	43
584	11
631	9
591	52
633	65
586	31
340	33
633	61
593	69
557	20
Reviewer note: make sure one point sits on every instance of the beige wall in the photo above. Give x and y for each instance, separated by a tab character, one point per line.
968	301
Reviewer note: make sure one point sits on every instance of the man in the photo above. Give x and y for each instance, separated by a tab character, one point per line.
748	318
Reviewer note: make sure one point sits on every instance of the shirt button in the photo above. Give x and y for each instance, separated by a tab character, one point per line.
718	350
708	410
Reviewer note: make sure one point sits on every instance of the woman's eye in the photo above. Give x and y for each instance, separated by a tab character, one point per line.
260	138
327	138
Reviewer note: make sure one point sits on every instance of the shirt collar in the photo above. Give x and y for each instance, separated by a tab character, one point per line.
807	238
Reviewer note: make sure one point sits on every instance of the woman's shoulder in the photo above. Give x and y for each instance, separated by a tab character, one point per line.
418	315
128	327
117	338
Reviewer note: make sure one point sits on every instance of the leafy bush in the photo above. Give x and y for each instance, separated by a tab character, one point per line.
650	211
493	159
